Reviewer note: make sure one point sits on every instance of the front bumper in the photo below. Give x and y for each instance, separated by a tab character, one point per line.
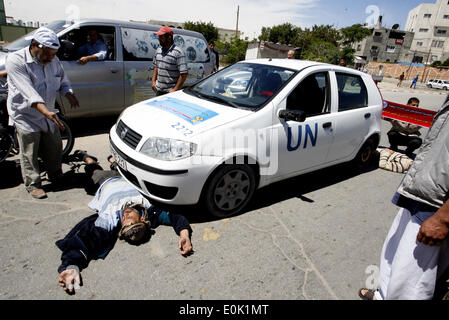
177	182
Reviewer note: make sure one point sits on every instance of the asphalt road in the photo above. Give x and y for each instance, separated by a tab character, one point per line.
317	236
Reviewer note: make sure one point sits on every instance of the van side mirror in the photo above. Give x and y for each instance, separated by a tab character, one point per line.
293	115
67	50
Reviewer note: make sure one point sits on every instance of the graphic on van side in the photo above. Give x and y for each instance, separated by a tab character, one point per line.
142	44
308	135
192	113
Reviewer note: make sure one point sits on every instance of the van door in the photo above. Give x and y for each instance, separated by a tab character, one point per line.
98	85
139	47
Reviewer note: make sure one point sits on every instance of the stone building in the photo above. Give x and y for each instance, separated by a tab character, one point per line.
430	23
385	45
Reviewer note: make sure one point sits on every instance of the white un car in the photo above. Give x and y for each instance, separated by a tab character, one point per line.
244	127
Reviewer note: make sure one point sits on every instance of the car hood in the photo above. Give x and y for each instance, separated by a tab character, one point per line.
178	115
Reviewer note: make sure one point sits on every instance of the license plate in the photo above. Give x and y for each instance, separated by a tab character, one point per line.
121	163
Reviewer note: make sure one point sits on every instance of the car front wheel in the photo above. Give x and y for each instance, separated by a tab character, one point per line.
229	190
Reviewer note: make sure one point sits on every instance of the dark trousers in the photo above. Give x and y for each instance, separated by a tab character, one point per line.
397	139
96	175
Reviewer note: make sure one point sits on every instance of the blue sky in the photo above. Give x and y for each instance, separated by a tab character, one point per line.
254	14
342	13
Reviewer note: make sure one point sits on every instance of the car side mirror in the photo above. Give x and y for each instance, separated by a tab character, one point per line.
293	115
67	50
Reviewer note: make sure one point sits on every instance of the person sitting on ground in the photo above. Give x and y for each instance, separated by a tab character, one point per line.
94	50
405	134
121	212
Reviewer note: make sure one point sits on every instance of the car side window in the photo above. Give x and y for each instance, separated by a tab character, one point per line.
312	95
73	44
352	93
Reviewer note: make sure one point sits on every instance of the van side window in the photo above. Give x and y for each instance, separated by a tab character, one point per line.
312	95
195	49
352	93
138	45
74	43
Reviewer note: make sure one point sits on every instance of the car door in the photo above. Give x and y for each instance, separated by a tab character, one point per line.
354	117
305	145
98	85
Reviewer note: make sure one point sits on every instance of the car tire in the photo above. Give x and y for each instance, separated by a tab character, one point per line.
229	190
366	154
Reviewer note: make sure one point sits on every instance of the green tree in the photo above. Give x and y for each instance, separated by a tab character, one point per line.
233	51
354	33
284	33
322	51
208	30
445	63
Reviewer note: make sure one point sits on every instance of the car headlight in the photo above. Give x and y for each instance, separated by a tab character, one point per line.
168	149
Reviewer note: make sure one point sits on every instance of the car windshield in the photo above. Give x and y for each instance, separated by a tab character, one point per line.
25	40
243	85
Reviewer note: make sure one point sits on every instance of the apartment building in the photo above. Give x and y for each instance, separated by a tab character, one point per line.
430	24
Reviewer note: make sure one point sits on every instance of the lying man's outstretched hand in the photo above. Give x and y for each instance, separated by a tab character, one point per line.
70	280
184	243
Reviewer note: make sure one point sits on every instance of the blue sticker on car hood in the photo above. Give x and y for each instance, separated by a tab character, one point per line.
190	112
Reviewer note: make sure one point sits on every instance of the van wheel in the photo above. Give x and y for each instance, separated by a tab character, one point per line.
365	155
229	190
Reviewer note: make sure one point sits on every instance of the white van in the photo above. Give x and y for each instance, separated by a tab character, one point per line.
249	125
124	77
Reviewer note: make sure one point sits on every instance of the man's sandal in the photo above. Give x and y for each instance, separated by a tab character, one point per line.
369	294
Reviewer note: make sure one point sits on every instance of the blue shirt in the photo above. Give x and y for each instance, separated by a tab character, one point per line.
30	82
98	49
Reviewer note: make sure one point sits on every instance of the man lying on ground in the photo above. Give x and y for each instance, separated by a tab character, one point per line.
121	212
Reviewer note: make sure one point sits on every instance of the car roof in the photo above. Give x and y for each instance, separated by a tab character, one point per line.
297	64
133	24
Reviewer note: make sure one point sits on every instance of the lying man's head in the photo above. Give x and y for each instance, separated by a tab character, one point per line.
135	223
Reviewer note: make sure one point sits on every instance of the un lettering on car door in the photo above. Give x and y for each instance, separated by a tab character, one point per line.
304	145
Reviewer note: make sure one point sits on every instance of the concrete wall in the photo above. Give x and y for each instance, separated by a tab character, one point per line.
394	71
11	33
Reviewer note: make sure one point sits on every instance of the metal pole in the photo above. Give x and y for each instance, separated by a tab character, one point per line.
425	67
237	26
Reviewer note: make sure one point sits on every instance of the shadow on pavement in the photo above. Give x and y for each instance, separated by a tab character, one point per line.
294	187
84	127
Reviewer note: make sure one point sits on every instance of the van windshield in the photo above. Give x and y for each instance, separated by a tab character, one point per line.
25	40
243	85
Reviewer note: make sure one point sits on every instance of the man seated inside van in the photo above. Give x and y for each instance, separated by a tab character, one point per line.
94	50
